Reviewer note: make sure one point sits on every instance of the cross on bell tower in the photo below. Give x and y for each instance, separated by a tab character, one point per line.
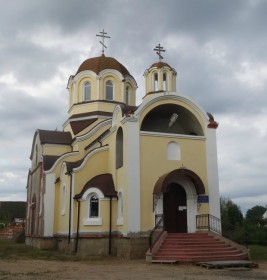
159	49
103	36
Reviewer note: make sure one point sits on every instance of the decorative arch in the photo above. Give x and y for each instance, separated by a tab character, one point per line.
160	119
102	184
165	180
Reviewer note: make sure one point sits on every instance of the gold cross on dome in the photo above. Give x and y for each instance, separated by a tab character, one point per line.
103	35
159	49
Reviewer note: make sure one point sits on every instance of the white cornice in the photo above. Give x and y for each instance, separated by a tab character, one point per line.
172	135
92	131
60	159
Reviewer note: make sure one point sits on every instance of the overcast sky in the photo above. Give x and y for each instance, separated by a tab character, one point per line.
218	48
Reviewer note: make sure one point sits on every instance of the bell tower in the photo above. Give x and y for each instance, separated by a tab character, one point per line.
160	76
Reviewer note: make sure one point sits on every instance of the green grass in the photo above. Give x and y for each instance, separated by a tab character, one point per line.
258	252
11	250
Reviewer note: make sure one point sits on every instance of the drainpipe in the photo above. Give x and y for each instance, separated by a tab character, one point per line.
110	223
78	226
70	173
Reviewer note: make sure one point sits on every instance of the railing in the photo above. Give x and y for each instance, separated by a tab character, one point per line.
208	222
157	231
212	223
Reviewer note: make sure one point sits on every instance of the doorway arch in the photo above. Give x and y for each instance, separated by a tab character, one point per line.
178	190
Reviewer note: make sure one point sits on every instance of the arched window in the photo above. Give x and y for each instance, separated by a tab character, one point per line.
92	212
93	206
109	90
165	81
119	148
173	151
156	82
120	209
127	95
87	91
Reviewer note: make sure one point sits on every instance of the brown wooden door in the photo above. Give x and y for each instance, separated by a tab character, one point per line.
174	209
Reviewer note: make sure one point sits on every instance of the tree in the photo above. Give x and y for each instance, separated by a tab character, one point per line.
230	212
254	216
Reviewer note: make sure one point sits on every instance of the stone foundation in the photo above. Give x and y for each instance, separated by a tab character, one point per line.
41	242
122	247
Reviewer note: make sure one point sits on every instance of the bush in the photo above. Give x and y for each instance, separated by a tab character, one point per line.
2	225
20	237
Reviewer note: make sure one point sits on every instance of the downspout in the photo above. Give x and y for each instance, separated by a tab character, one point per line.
70	173
78	226
110	223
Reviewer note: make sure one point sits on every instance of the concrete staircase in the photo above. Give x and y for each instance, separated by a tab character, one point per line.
197	247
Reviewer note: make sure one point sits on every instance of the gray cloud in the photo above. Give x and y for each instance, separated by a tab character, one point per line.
217	47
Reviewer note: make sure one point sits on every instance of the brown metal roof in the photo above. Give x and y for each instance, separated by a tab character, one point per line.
103	182
100	63
51	137
48	161
78	126
55	137
160	64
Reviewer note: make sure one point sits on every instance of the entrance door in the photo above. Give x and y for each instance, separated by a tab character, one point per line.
174	209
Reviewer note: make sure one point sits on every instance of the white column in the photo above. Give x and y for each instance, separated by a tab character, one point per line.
212	169
133	176
49	202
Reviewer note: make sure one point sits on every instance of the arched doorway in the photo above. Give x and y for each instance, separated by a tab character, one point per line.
175	209
175	198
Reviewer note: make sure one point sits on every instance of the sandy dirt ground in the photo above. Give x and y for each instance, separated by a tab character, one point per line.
114	269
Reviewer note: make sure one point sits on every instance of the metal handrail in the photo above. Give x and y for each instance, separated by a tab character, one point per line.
209	222
156	231
212	223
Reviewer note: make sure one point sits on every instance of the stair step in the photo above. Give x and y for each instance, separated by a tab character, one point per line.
196	248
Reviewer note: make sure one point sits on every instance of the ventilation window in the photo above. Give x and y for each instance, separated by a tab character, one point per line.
173	151
165	82
156	82
127	95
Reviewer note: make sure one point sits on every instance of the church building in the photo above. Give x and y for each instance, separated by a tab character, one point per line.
101	185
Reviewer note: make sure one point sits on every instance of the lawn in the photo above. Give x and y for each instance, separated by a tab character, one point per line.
258	252
11	250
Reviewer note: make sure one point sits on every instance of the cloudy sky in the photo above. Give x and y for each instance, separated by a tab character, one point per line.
219	49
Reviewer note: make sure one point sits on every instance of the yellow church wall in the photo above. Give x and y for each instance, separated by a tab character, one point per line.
92	106
55	150
104	214
80	145
117	85
121	184
62	196
95	165
80	88
154	165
